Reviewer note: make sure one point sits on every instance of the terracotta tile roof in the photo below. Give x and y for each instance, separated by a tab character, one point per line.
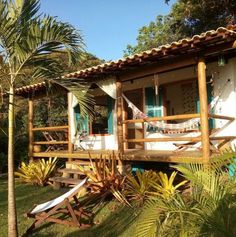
219	34
208	38
26	89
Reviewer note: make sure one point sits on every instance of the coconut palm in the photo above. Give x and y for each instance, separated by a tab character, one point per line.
208	209
27	40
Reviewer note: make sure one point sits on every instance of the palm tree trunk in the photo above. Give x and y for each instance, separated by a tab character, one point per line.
12	216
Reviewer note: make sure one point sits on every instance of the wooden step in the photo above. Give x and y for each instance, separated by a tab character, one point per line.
65	180
57	181
70	171
78	162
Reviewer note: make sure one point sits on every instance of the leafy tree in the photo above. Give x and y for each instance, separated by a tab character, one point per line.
196	16
186	18
156	33
86	60
218	9
26	41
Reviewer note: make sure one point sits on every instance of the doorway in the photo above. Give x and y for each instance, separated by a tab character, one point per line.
134	131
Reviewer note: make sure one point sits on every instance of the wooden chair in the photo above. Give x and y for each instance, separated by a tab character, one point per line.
48	211
50	138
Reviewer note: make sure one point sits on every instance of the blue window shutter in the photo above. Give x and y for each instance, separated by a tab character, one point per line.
209	100
153	103
110	103
80	125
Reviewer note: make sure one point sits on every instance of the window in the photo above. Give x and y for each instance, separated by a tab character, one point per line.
181	97
102	122
99	124
103	117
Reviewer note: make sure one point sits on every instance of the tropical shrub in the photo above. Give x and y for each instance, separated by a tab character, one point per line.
37	173
104	179
164	186
208	210
150	183
137	186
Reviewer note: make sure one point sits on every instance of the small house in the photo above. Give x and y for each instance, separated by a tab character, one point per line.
173	103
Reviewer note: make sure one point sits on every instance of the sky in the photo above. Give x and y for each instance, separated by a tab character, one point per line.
107	26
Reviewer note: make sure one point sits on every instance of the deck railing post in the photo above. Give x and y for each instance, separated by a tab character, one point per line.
203	109
30	127
70	144
119	109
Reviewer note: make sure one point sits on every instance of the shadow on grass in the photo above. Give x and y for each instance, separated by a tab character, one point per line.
114	225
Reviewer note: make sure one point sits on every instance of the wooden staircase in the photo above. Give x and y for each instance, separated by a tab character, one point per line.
70	175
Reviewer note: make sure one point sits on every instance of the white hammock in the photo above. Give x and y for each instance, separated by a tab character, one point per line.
161	125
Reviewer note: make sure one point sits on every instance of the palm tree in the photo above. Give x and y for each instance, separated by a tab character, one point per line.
26	41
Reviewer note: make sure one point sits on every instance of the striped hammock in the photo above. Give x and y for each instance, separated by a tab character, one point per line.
190	124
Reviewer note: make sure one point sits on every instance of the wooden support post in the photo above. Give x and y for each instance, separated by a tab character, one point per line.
125	129
70	144
31	133
203	109
119	109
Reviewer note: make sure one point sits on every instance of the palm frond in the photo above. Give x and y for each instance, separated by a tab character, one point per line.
29	39
149	220
46	36
80	89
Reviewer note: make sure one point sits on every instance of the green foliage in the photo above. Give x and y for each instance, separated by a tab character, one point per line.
37	173
150	184
35	47
105	179
138	186
208	209
194	17
164	186
186	18
158	32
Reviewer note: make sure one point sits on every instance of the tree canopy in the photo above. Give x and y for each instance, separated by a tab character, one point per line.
186	18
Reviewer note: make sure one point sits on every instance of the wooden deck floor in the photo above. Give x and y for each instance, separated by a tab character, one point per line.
130	155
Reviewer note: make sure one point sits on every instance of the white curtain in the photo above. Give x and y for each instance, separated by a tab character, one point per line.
74	102
108	85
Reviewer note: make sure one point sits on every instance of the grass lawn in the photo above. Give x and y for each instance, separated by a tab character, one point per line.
114	219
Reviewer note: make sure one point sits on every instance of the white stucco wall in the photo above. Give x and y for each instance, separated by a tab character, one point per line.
98	142
224	85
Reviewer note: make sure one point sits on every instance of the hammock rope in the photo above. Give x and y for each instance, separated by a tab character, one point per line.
161	125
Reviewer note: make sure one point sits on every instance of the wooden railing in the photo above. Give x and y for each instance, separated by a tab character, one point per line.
216	116
171	138
164	118
55	128
51	140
